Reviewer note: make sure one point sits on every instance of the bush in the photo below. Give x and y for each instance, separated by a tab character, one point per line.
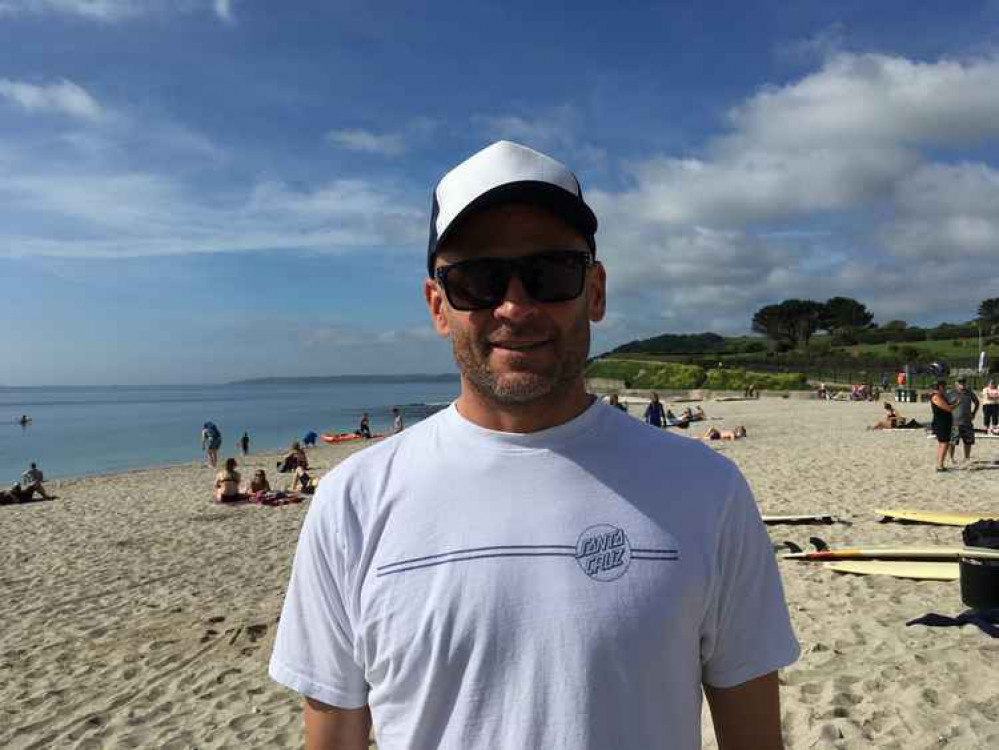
739	380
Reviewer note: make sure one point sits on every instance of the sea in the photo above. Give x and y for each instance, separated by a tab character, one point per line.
87	430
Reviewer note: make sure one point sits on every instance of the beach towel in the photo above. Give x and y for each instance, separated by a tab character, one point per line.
275	498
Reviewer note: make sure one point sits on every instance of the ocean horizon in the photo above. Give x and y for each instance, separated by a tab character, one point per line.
87	430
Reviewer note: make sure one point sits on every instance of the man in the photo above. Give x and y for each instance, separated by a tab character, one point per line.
511	572
966	406
31	482
397	425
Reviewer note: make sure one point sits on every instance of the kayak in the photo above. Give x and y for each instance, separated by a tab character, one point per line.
345	437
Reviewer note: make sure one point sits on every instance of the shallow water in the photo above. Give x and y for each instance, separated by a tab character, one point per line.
92	430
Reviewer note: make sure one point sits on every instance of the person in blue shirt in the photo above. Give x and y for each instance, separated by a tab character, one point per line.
655	414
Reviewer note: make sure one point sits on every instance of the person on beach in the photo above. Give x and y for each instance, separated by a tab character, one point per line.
211	441
616	403
511	572
295	457
397	425
892	420
966	405
713	433
31	482
244	443
302	481
259	482
943	421
310	439
990	407
227	488
655	414
364	428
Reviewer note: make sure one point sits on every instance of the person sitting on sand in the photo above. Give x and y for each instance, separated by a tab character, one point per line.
295	458
364	429
714	433
31	482
227	484
302	482
259	482
674	421
698	415
894	421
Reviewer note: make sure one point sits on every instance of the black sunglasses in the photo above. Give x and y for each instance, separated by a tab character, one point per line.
481	283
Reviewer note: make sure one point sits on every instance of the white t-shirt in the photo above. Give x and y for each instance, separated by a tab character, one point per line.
569	588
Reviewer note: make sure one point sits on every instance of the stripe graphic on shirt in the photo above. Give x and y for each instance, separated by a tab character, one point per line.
603	552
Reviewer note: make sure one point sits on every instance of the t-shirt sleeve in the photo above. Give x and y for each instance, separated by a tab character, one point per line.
314	651
746	631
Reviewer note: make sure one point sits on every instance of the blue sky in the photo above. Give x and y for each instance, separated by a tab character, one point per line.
204	190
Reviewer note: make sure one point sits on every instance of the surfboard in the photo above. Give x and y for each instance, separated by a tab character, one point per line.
926	571
936	518
894	553
805	518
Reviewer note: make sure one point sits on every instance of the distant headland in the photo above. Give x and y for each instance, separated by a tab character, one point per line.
447	377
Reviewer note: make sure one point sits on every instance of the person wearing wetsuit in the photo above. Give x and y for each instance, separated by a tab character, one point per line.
943	421
655	414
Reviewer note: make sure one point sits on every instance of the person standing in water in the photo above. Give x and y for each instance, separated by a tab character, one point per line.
244	443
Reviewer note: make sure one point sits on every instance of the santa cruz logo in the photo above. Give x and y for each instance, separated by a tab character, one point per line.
603	552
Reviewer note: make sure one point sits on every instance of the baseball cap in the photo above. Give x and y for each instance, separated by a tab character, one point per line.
507	172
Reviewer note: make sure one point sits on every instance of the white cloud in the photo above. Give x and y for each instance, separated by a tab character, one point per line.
115	11
827	185
555	129
223	9
64	97
100	10
386	144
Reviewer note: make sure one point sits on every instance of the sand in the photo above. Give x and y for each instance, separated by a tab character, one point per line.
138	614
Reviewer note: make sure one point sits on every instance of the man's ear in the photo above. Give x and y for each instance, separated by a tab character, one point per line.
596	297
435	305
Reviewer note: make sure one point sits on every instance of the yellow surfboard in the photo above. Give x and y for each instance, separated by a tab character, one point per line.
923	571
936	518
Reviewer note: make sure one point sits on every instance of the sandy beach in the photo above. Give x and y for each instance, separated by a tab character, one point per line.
137	614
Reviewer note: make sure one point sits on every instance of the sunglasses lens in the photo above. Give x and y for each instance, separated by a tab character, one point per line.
554	277
476	284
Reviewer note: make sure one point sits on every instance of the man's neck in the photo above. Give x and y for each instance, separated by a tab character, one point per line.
523	418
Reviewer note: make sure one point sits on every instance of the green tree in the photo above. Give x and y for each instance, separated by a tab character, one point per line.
804	317
988	313
843	314
771	321
895	325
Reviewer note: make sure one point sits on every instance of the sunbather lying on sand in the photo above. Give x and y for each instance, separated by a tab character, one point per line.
714	433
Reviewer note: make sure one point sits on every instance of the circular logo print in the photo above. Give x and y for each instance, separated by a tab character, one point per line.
603	552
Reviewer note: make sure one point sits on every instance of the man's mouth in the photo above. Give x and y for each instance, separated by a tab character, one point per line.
517	346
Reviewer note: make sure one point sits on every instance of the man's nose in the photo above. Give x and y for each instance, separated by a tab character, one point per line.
517	303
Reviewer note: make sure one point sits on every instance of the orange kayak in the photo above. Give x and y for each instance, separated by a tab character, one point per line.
344	437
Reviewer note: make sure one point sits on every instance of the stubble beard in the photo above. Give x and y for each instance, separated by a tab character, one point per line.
523	387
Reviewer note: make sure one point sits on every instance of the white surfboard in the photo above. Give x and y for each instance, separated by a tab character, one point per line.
937	518
924	571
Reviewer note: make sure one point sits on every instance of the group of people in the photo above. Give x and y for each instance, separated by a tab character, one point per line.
229	487
658	415
954	418
25	490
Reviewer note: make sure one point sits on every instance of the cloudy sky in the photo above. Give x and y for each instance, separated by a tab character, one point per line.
204	190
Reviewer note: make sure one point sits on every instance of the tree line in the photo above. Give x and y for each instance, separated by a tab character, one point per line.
793	322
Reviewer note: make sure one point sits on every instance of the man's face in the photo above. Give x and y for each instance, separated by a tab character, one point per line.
520	351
